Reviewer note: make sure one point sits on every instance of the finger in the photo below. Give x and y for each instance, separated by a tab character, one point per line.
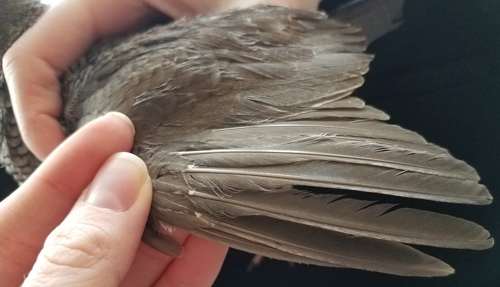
181	8
34	63
199	266
311	5
29	214
96	243
149	264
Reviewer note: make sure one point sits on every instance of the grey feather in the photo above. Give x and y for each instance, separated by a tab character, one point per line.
345	176
376	17
351	216
334	248
234	110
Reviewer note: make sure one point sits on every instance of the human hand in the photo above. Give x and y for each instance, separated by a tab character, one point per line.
33	65
93	239
32	68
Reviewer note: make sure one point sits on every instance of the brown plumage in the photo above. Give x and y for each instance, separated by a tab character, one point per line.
239	114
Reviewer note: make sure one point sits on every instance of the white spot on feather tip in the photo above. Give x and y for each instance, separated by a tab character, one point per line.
191	192
198	215
167	227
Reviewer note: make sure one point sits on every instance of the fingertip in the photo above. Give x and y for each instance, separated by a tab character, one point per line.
44	134
119	183
125	119
119	120
113	131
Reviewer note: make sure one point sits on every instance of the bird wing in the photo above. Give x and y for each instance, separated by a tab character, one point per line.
235	111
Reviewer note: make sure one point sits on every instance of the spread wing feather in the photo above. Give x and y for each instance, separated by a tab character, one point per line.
328	247
349	176
350	216
234	109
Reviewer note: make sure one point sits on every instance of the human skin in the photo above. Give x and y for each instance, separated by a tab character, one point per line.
63	238
34	63
32	68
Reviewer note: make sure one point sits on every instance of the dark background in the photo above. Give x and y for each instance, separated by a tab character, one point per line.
439	75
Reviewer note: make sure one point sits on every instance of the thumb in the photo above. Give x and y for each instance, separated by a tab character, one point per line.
96	243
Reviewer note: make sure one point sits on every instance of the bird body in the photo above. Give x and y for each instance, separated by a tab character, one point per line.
240	115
